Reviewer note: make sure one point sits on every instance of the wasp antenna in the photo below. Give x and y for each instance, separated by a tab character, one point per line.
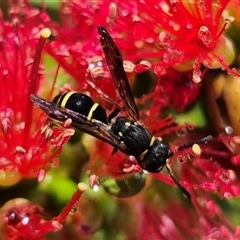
190	144
176	181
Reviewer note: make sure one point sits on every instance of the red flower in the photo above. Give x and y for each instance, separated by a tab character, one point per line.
186	34
179	88
20	219
24	150
24	220
189	33
186	37
206	221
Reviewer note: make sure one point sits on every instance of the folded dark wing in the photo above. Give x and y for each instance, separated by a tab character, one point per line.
115	64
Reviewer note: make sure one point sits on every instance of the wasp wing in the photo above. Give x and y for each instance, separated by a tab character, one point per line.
94	127
115	64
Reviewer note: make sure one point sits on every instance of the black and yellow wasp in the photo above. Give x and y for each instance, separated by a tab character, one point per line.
126	134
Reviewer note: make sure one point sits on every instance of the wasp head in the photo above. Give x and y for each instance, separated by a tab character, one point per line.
156	156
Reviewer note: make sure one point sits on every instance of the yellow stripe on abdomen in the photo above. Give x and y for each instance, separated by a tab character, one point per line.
66	97
93	108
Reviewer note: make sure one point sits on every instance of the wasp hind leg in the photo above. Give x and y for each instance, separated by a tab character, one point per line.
176	181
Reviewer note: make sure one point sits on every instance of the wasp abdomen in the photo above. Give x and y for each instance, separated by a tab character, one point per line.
82	104
135	137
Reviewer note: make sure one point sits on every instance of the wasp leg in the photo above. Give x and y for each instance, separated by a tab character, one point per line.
176	181
113	114
114	151
103	95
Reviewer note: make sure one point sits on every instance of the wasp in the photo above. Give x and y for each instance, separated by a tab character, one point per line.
126	134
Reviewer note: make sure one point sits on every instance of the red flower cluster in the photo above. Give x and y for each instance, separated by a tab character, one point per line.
175	40
190	33
23	220
25	152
